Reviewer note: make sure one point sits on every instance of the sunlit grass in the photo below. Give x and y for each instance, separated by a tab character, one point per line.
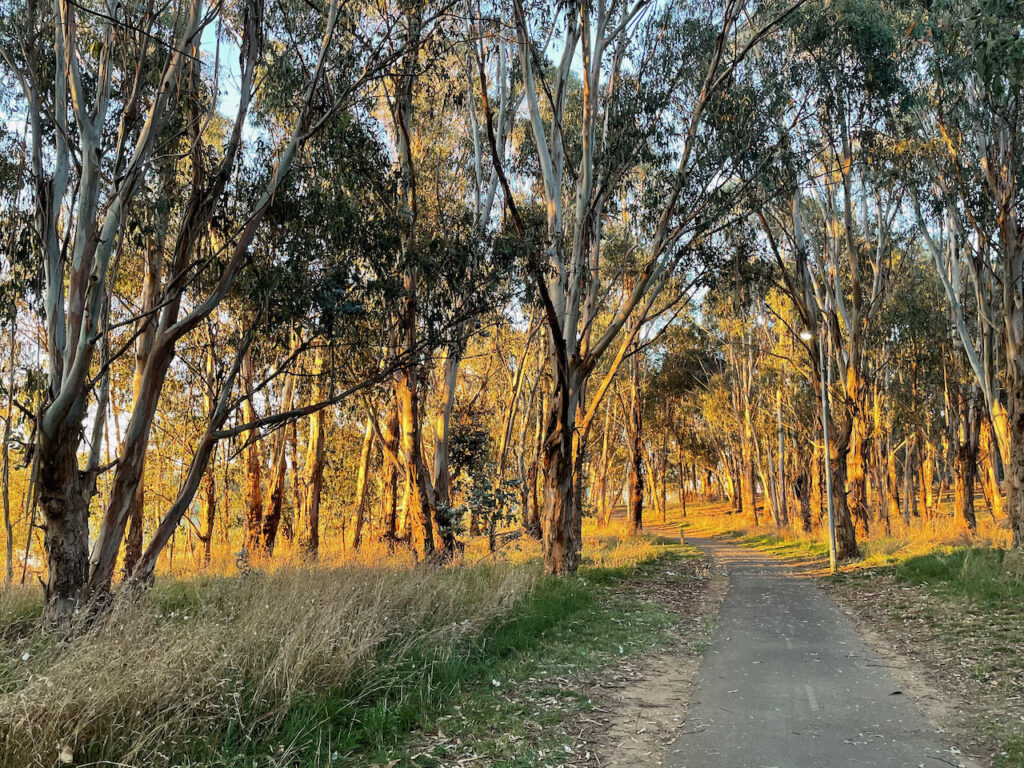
903	542
270	660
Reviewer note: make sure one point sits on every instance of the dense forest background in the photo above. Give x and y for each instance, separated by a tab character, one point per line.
288	281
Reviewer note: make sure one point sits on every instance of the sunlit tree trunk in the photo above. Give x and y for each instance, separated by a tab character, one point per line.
361	484
442	476
5	456
635	511
663	475
144	345
308	521
927	474
601	483
208	498
987	470
278	463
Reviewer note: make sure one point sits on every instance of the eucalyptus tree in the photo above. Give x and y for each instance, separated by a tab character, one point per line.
450	274
971	205
834	242
655	126
102	89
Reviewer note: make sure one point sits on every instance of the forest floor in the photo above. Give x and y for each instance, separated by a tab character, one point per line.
947	620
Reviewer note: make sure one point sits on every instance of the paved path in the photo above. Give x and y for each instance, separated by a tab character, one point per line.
788	683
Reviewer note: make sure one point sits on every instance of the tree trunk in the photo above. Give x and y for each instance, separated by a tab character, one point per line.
361	484
892	486
927	468
308	522
5	461
442	475
636	458
278	464
534	524
987	470
253	509
65	509
208	510
1015	467
419	510
389	479
815	473
601	483
846	535
801	487
144	345
664	476
856	476
561	551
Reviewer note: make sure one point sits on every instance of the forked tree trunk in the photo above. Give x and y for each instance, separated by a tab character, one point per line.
856	476
846	535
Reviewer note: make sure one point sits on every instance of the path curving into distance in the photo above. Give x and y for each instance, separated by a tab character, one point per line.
788	683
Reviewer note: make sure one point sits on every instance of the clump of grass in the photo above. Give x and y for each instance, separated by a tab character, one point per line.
988	575
192	668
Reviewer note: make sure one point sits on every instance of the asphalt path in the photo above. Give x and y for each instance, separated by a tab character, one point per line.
788	683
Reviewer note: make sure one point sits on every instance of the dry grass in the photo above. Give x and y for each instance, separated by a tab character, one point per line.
212	663
228	658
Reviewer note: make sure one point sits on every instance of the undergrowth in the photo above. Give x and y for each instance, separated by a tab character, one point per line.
301	667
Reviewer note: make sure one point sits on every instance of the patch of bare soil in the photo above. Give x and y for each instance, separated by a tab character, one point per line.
959	662
640	706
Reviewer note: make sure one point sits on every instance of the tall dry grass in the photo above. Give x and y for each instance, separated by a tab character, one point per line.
207	660
222	658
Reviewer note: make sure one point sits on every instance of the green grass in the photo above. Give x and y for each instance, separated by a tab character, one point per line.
564	627
984	575
1012	755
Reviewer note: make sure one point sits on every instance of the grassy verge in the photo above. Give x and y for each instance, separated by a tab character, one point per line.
327	667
